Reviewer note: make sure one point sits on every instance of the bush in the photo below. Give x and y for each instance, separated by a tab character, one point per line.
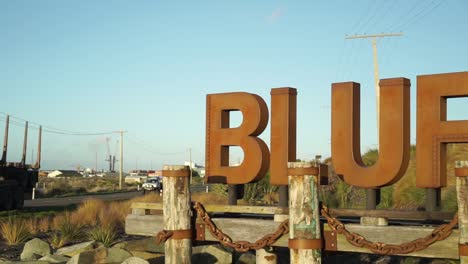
14	231
88	212
106	234
69	229
58	241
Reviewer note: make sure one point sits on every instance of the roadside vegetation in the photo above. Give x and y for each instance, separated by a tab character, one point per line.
71	186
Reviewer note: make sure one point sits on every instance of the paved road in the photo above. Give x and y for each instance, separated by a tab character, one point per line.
64	201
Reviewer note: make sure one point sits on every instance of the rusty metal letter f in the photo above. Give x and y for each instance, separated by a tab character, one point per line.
394	133
219	137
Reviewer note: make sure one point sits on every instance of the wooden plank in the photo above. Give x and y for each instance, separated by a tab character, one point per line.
143	225
254	229
390	214
213	208
400	234
304	216
241	229
462	196
177	215
393	214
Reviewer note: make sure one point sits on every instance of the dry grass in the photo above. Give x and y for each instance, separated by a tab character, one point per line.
14	231
44	224
88	212
209	198
33	225
151	197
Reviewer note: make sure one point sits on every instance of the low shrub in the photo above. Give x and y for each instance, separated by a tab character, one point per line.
68	228
14	230
106	234
58	240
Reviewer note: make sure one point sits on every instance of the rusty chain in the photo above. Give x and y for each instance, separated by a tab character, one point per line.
163	236
438	234
240	246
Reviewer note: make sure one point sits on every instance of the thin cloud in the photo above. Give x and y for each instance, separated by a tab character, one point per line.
275	15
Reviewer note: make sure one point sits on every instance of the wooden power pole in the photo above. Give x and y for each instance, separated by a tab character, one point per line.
374	38
121	158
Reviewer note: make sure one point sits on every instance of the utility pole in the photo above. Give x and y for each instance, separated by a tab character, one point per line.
374	38
121	158
190	160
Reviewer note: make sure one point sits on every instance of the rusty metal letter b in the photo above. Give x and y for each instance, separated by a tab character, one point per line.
219	137
394	133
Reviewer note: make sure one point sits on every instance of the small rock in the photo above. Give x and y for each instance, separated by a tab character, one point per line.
55	259
211	254
117	255
35	249
247	258
135	260
75	249
148	245
85	257
146	255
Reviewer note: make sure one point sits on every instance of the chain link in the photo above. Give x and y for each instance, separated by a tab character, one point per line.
438	234
240	246
163	236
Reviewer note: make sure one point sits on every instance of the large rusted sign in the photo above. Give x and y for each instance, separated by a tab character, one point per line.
433	132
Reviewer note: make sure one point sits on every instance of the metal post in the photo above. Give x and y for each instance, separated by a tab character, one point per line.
33	193
433	199
283	196
232	194
372	198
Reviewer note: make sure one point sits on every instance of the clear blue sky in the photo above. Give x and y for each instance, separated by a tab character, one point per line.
146	67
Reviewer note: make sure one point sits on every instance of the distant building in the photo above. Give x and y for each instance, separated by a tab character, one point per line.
64	173
198	168
153	173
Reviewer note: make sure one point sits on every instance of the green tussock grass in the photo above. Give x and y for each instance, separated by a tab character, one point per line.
14	231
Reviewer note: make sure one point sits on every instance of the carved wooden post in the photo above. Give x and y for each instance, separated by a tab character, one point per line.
304	219
461	171
177	212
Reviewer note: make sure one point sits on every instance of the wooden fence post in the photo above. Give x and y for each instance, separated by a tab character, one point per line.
177	213
461	171
304	218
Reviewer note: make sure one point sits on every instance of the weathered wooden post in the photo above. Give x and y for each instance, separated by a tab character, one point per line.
461	171
305	241
177	212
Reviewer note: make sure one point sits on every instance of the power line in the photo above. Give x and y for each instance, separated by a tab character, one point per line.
53	130
425	10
